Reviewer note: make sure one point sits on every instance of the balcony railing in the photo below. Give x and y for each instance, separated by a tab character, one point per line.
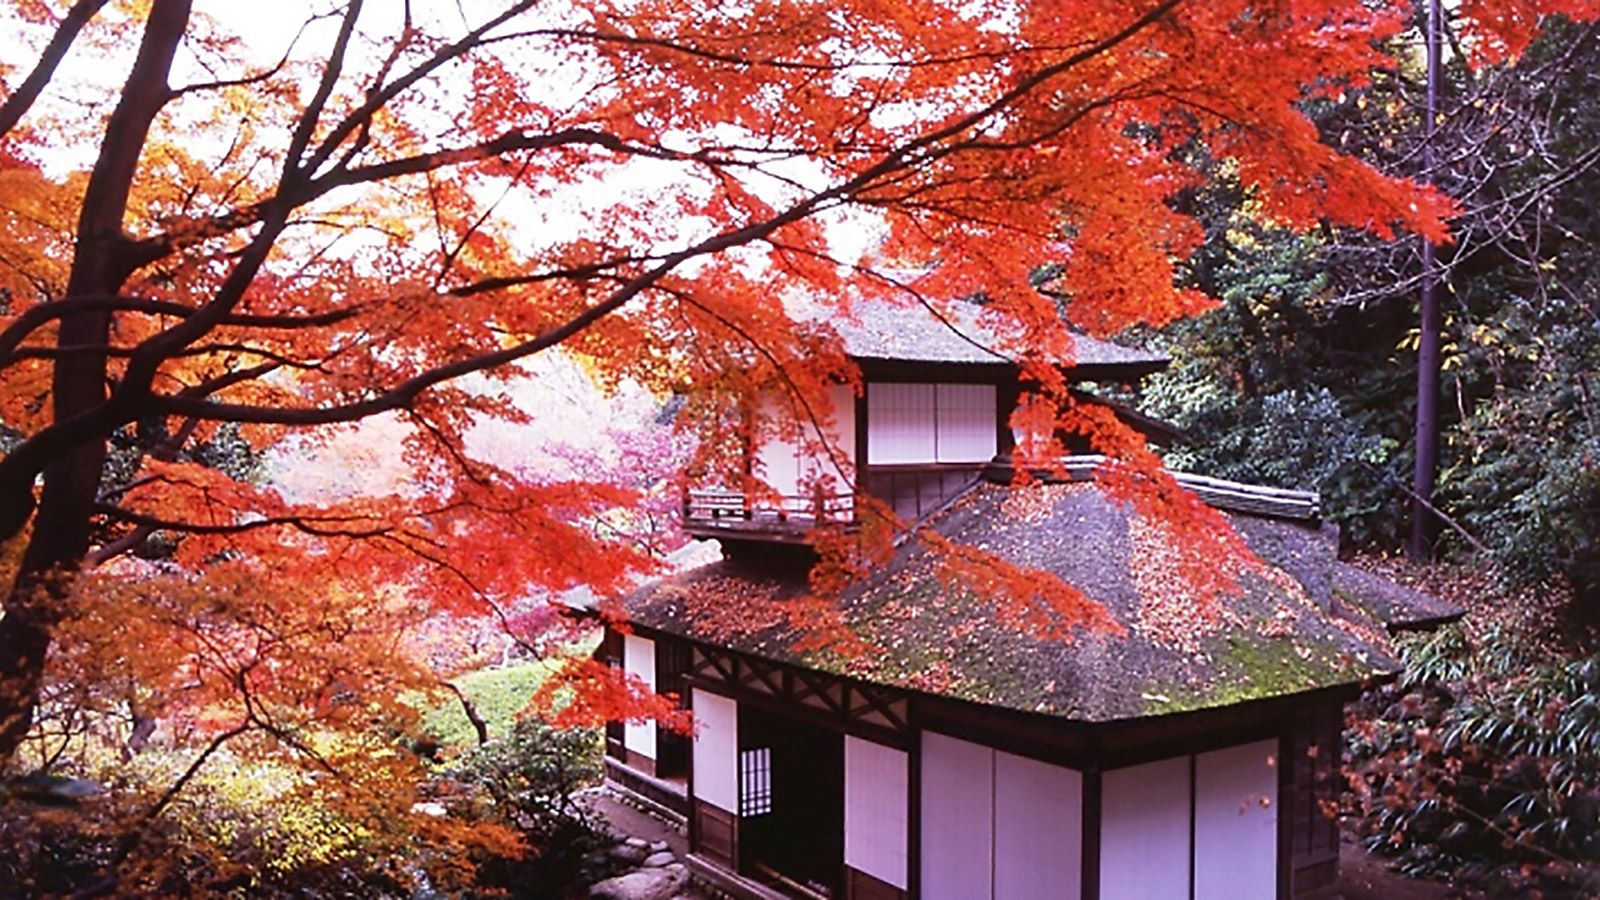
709	512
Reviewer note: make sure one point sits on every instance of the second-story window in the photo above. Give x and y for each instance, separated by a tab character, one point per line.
930	423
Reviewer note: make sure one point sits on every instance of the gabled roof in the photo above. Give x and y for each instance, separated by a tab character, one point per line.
1283	634
887	332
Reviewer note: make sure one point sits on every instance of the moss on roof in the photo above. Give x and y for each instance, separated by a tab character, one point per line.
1281	633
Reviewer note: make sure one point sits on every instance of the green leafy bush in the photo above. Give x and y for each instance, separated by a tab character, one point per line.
1483	764
1280	386
1528	479
532	778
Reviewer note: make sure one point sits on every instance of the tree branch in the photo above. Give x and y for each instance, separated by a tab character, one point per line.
17	105
312	525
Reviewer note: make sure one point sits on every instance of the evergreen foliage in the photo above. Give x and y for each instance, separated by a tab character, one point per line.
1484	763
1303	376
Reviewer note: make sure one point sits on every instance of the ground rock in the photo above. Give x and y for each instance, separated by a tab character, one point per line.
645	884
657	860
629	854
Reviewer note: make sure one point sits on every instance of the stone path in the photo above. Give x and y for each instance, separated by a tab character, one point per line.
653	850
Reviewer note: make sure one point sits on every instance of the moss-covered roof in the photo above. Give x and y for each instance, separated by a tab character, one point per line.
1288	628
1282	633
1399	608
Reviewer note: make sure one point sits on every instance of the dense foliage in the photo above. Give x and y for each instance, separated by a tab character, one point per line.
1304	375
211	252
1483	764
255	828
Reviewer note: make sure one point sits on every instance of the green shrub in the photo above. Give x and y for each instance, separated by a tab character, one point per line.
1483	763
531	778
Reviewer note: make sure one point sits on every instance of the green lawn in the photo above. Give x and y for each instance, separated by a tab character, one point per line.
498	694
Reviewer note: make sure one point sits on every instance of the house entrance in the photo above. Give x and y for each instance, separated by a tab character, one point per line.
791	804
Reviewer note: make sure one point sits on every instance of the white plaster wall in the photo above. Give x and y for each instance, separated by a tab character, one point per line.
875	799
840	409
639	658
778	458
966	423
1144	838
716	750
1236	823
1038	830
900	423
957	797
778	464
786	464
842	401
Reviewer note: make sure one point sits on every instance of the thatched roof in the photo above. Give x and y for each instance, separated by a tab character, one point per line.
888	332
1285	632
1398	608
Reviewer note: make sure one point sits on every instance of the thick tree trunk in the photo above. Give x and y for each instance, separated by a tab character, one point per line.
63	521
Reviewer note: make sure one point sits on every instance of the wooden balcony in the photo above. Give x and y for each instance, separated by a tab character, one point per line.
721	513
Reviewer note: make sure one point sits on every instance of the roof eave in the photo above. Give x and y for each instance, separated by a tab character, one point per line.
1125	372
1431	623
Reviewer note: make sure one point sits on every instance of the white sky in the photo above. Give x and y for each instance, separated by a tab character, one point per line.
556	395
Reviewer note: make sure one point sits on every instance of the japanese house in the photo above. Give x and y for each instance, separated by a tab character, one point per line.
964	757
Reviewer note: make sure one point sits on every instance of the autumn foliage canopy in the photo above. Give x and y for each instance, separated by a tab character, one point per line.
205	242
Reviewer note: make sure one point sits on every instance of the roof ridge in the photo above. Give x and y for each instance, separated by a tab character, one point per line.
1221	493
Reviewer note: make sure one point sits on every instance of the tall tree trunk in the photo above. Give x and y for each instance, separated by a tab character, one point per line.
1424	524
100	266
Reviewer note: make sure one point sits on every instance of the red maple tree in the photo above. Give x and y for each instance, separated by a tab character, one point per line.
195	248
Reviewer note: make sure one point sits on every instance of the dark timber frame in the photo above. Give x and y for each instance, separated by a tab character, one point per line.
1306	727
852	707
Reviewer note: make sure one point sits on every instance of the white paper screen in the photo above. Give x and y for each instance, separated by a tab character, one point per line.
1236	822
900	423
639	658
1038	830
957	819
1144	837
875	798
966	423
716	750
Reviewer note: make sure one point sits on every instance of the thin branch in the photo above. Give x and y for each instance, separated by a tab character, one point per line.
17	105
379	98
313	525
241	81
292	172
478	724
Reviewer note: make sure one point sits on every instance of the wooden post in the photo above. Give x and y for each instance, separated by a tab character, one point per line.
1424	524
